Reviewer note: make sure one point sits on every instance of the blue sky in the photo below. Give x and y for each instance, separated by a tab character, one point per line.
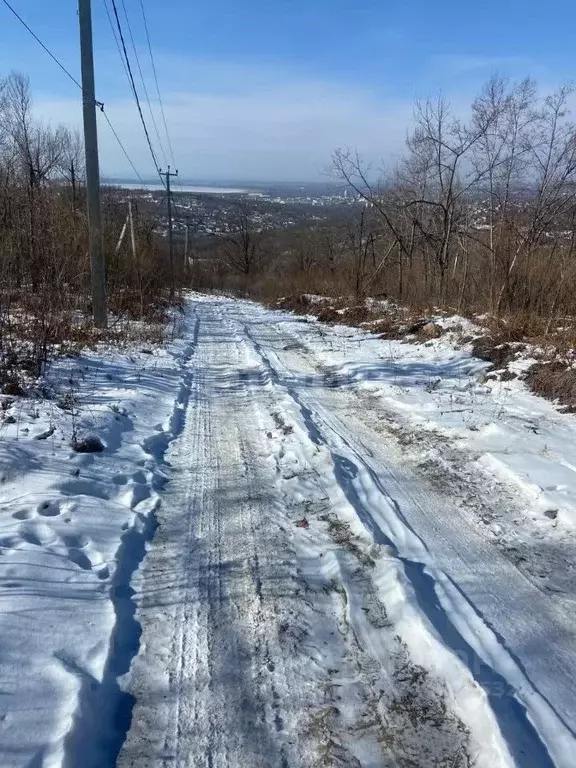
266	90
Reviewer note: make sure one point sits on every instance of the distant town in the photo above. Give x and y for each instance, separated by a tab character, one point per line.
206	209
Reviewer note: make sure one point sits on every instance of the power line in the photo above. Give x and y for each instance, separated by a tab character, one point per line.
48	51
143	81
116	40
134	89
119	48
160	101
156	81
99	104
124	150
126	70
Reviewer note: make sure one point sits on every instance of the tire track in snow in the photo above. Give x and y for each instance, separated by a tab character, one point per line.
325	429
202	679
389	689
206	623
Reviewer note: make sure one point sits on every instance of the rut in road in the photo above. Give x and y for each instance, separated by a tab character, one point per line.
265	641
204	591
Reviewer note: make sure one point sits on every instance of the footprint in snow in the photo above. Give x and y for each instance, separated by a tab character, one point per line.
49	509
23	514
76	540
82	553
80	558
77	547
140	493
103	573
9	542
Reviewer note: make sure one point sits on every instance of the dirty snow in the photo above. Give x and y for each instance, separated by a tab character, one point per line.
491	438
364	556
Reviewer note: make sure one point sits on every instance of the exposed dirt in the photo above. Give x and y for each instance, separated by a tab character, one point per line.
555	380
496	350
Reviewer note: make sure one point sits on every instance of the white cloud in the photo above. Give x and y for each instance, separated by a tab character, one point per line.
249	123
239	121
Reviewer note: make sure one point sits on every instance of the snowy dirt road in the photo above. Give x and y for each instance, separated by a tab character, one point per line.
309	599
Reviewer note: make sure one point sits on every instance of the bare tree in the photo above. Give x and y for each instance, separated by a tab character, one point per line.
243	242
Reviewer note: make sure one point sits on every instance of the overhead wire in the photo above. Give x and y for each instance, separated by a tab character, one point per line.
48	51
135	90
155	73
99	104
143	81
119	48
124	150
121	45
115	35
160	100
128	70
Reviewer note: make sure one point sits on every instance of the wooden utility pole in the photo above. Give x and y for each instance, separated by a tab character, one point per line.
168	176
186	243
121	238
92	167
132	235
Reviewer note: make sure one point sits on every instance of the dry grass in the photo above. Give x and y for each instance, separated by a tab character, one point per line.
554	380
29	344
342	535
387	328
495	350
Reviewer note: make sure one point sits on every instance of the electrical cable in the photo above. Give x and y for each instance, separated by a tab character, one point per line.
160	101
135	91
143	81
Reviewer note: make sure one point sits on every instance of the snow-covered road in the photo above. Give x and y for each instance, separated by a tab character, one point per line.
311	599
298	546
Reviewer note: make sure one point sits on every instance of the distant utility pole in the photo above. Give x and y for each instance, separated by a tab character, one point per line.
168	175
186	243
132	235
92	167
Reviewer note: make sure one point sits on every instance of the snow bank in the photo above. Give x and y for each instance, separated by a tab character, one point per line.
73	528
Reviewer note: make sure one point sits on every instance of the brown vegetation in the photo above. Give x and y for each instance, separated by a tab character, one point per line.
494	350
477	217
555	380
44	263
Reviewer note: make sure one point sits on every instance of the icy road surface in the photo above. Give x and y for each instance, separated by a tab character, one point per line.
311	598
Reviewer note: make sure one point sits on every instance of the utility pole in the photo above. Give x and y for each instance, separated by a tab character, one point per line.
73	181
132	236
168	175
97	260
121	238
186	243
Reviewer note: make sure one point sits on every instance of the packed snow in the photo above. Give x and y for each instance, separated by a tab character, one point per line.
295	545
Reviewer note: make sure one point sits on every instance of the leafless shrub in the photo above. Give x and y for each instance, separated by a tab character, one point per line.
44	263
